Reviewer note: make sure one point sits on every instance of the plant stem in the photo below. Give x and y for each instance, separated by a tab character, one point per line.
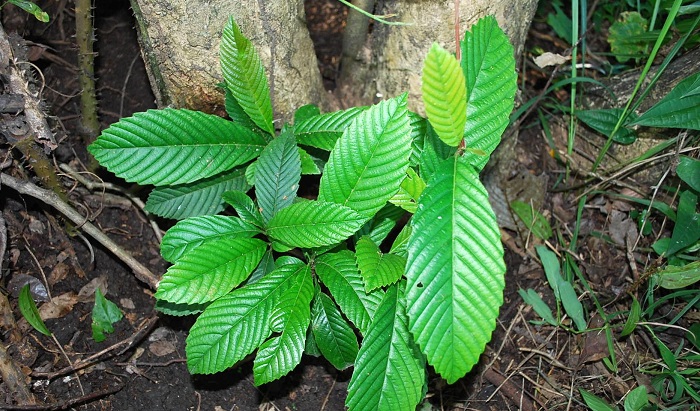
84	35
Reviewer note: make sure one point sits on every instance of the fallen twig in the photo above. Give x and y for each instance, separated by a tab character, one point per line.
62	405
50	198
116	349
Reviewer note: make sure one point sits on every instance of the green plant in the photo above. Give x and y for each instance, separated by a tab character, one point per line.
30	8
289	275
635	400
104	314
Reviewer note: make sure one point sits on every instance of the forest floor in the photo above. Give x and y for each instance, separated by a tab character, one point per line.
141	365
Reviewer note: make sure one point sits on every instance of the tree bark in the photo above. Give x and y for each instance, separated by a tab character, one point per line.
180	44
392	59
180	41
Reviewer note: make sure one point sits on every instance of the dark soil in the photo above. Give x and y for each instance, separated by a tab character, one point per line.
143	365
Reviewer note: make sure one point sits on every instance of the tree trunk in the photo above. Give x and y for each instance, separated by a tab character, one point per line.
391	60
180	41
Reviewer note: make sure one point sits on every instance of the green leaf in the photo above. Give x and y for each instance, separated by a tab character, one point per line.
245	76
367	165
244	206
489	70
688	170
236	112
29	311
399	247
636	399
604	122
309	164
693	335
189	234
535	301
377	269
312	224
624	36
210	270
674	277
169	146
563	290
379	226
390	369
455	270
305	112
179	310
595	403
686	231
533	220
634	315
277	175
411	188
195	199
236	324
572	305
419	127
444	95
322	131
679	109
560	23
311	348
32	9
104	314
290	318
334	337
552	268
433	154
266	266
339	273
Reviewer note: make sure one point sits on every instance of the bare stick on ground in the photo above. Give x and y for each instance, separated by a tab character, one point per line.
50	198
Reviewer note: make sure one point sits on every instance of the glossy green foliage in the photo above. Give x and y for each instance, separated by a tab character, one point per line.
455	270
489	71
377	269
389	370
378	164
443	95
334	337
604	122
277	175
245	76
678	109
368	162
203	197
169	146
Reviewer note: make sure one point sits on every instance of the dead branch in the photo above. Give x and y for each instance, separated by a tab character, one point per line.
52	199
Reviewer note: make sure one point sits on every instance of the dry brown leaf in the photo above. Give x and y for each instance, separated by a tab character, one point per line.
59	273
59	306
87	293
595	345
127	303
161	348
